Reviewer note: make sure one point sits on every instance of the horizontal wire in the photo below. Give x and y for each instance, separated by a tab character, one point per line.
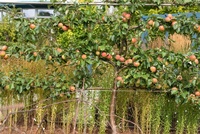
91	3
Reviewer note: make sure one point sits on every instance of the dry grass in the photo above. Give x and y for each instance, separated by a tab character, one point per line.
12	64
176	43
180	43
33	68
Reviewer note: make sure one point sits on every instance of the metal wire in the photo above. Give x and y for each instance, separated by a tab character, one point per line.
91	3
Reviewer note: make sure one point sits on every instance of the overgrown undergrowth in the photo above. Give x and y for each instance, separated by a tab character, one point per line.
137	111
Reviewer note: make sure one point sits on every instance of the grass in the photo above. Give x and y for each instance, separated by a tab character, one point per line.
176	43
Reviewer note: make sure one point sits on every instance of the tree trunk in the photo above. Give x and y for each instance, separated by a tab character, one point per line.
113	104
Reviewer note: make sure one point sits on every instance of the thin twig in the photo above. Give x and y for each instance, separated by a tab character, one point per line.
131	123
121	69
134	27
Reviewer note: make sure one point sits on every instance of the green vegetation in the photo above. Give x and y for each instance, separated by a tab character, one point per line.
46	66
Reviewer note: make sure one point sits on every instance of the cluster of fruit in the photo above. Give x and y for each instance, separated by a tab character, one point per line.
3	52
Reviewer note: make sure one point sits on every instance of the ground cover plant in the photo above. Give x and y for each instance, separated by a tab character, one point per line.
83	41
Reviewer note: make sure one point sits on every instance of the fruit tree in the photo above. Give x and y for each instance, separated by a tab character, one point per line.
81	35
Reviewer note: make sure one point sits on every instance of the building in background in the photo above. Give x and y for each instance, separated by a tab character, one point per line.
29	8
33	8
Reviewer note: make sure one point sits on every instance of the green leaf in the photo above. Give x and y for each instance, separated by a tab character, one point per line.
12	86
173	92
58	85
125	25
102	48
90	36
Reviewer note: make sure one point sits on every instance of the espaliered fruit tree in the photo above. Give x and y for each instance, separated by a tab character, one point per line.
84	35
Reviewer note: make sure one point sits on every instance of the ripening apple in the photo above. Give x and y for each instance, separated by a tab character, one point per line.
2	53
124	14
35	54
179	78
197	93
174	88
196	61
170	16
64	28
150	22
103	54
198	28
174	22
83	56
6	57
124	19
153	69
119	78
97	53
134	40
63	57
7	87
117	57
126	62
127	16
136	64
129	61
60	25
103	18
32	26
50	57
121	59
4	48
59	50
161	28
109	56
154	81
167	19
192	57
72	88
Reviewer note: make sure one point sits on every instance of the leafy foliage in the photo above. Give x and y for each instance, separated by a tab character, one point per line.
85	35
